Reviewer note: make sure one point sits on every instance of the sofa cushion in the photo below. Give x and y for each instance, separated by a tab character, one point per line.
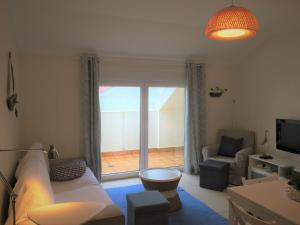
33	187
230	146
86	188
247	135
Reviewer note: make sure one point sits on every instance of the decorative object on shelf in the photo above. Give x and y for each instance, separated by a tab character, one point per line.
12	96
263	144
52	152
232	23
265	156
293	190
265	140
217	92
13	196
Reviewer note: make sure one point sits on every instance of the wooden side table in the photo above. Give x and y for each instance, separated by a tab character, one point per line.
164	180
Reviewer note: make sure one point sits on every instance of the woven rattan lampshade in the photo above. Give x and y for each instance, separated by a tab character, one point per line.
232	23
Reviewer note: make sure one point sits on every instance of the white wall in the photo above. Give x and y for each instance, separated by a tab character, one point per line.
219	110
9	125
51	94
153	129
121	131
51	110
268	87
141	70
171	121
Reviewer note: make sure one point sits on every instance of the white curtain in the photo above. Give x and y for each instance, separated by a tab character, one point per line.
91	111
195	119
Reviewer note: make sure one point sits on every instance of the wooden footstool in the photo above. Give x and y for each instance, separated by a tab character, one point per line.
147	208
214	175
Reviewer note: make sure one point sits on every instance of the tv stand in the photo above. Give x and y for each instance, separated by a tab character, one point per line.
259	167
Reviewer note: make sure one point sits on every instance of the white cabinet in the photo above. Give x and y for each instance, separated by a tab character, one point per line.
265	167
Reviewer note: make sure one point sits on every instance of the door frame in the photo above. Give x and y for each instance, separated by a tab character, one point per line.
144	94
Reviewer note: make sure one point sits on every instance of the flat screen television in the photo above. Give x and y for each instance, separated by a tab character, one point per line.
288	135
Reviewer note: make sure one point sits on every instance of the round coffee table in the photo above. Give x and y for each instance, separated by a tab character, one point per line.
164	180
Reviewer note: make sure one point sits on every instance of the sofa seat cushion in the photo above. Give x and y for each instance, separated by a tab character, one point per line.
85	188
87	179
88	189
226	159
92	193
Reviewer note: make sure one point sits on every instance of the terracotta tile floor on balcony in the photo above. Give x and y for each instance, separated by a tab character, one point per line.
124	161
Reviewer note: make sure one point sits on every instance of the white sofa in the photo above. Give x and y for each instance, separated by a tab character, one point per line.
34	189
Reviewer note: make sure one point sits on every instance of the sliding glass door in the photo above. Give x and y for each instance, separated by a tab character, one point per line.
141	127
120	129
165	126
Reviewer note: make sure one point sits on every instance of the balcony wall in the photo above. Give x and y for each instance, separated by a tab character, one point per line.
122	129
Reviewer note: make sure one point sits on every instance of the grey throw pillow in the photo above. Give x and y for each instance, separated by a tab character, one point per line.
66	169
230	146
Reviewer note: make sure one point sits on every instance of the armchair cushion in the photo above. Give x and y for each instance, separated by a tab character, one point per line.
230	146
248	136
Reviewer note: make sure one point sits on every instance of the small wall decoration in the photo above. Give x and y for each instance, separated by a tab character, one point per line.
12	96
217	92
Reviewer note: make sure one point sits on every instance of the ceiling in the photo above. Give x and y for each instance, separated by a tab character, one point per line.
154	28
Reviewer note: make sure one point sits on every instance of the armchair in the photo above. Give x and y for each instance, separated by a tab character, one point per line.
239	163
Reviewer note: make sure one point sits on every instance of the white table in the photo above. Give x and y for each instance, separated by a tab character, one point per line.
69	213
267	200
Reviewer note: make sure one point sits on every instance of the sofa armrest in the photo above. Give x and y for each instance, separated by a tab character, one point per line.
243	154
210	151
109	211
111	215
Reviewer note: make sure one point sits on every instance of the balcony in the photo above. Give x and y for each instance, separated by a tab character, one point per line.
124	161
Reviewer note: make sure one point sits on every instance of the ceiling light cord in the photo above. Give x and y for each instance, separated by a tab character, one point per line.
232	3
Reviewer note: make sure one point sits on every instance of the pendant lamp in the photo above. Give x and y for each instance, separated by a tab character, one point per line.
232	23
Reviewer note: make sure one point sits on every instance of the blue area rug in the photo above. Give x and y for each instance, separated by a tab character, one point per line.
193	211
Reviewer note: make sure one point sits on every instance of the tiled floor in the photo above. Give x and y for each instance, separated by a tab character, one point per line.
116	162
213	199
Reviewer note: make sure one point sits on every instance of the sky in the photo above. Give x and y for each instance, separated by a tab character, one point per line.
127	99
